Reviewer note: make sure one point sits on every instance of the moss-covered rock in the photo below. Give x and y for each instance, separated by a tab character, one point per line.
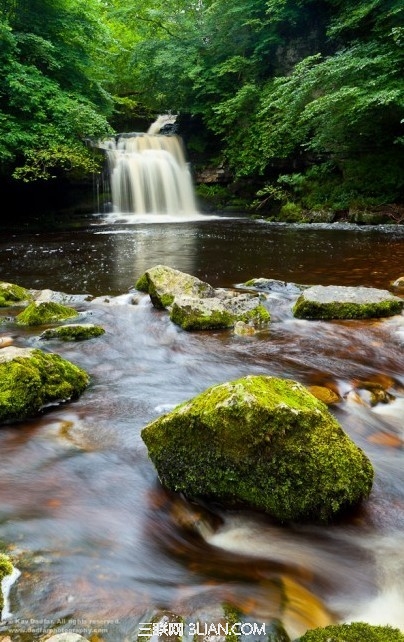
200	314
215	313
73	332
31	379
263	442
6	568
341	302
196	305
164	283
12	294
355	632
43	312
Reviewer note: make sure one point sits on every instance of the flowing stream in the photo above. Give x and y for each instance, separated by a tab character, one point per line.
101	549
99	543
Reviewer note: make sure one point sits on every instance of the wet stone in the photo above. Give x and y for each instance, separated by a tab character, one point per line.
343	302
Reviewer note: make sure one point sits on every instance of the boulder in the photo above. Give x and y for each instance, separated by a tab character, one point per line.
262	442
354	632
31	379
11	294
196	305
73	332
218	312
163	284
342	302
43	312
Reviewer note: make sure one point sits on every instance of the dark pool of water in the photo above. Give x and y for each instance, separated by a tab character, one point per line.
107	259
95	536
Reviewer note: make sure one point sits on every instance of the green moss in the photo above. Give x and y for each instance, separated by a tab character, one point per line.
45	312
142	284
6	568
306	309
262	441
73	332
162	301
355	632
11	293
259	315
30	381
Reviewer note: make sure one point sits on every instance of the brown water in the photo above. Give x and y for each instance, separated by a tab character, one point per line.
95	536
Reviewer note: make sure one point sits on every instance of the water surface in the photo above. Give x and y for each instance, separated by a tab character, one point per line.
95	535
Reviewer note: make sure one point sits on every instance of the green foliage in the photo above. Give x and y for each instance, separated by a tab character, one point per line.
52	99
332	100
216	195
310	89
293	213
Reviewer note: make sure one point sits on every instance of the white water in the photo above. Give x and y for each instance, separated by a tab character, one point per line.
149	175
6	584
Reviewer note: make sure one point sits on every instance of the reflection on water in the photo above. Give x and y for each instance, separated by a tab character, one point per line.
106	259
95	535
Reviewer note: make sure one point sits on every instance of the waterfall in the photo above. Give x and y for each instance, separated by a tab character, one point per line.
149	173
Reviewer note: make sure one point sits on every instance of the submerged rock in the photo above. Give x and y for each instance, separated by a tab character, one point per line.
275	285
262	442
12	294
30	379
43	312
398	284
73	332
325	394
340	302
196	305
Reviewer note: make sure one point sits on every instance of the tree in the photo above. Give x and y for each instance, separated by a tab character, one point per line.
52	99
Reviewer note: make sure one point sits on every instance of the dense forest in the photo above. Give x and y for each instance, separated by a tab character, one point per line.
301	101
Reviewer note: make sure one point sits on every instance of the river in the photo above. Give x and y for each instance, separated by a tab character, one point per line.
98	541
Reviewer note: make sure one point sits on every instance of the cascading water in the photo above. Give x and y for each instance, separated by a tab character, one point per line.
149	173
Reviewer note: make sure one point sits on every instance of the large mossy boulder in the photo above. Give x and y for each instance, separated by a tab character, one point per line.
354	632
6	568
196	305
43	312
262	442
30	379
12	294
342	302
